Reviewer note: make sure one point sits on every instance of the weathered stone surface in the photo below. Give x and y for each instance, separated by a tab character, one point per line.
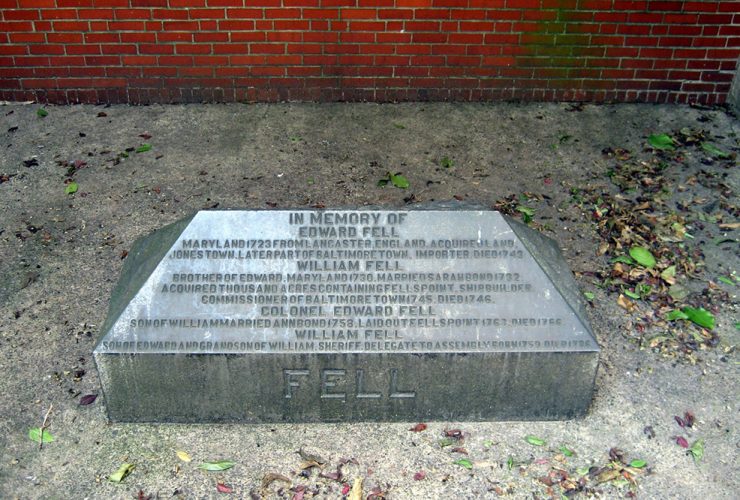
346	315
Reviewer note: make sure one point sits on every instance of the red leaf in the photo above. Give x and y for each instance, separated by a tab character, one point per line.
145	135
88	400
419	428
222	488
680	421
454	434
459	449
420	475
688	417
681	441
345	489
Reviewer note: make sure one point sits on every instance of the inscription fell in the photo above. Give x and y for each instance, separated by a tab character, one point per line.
346	315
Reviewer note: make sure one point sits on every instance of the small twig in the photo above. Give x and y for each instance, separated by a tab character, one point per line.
44	426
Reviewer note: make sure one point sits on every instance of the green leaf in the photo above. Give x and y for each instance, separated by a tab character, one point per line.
488	443
589	295
383	182
643	256
71	188
399	181
582	471
399	125
662	142
624	259
668	273
713	150
527	212
631	294
678	292
638	464
446	162
700	316
510	462
144	148
34	434
444	442
726	281
676	314
123	471
566	451
697	450
216	466
464	462
534	441
42	113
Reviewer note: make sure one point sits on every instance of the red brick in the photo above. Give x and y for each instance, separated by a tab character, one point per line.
138	37
167	37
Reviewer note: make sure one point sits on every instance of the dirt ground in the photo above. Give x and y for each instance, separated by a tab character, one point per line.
75	194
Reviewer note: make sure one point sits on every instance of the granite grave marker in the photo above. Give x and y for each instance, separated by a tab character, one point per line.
346	315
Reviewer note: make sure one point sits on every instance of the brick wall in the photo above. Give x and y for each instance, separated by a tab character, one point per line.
141	51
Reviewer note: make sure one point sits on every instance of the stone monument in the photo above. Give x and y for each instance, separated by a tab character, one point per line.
346	315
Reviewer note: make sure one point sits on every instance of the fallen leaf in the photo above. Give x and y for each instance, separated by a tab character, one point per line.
308	464
309	457
681	441
334	476
123	471
607	475
145	136
88	399
713	150
566	451
638	464
356	493
35	435
700	316
144	148
420	475
271	477
454	434
642	256
71	188
534	441
464	462
222	488
419	428
183	455
399	181
697	450
217	466
345	489
662	141
42	113
459	449
625	303
674	315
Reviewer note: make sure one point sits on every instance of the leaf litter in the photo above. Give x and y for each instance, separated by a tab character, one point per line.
653	259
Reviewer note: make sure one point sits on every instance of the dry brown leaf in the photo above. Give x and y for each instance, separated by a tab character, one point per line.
310	457
607	475
270	477
308	464
625	303
733	225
